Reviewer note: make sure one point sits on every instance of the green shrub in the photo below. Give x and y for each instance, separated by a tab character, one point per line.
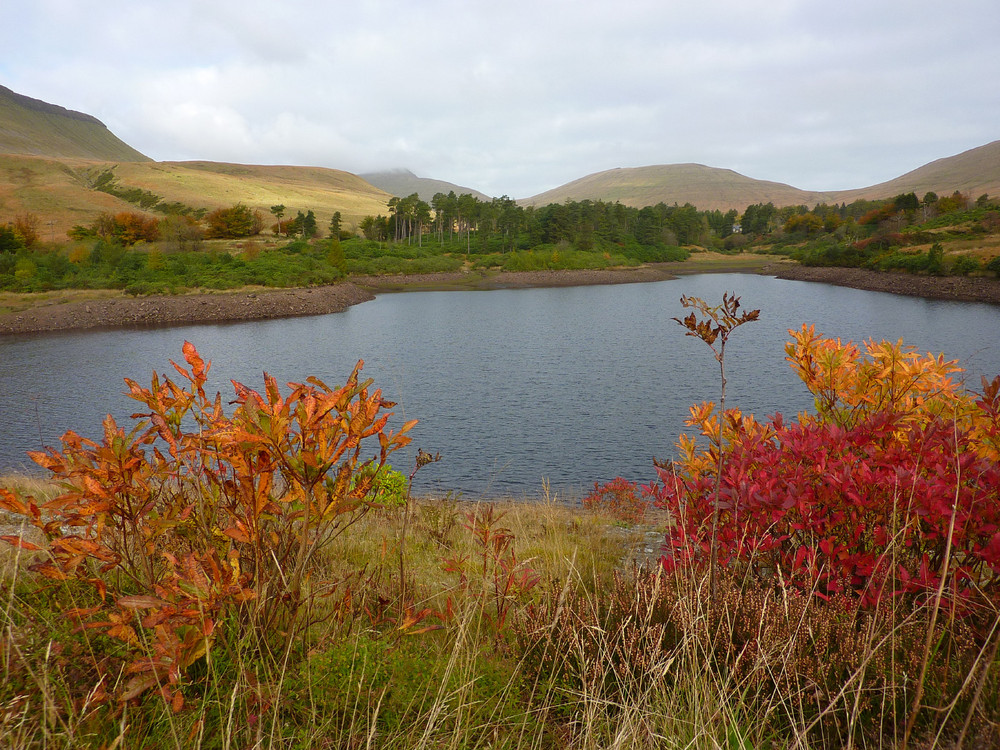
964	265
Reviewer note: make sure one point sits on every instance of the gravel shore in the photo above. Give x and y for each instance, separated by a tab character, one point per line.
184	308
959	288
215	307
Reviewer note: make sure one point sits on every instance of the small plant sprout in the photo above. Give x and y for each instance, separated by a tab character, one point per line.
423	459
714	327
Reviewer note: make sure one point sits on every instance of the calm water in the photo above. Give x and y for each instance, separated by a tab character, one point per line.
512	387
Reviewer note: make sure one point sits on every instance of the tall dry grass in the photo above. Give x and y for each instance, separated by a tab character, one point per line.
598	654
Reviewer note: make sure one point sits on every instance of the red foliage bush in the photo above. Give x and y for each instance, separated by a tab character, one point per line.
867	510
620	499
891	488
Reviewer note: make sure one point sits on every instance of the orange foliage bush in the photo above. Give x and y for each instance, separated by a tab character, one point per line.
198	528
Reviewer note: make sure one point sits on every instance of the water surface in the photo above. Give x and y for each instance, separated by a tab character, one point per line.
570	385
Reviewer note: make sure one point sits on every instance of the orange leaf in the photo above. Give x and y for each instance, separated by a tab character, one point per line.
237	534
9	502
137	686
140	602
198	368
79	613
19	542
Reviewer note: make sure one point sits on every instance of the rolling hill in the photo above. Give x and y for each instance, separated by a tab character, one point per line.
61	191
403	183
972	172
51	158
705	187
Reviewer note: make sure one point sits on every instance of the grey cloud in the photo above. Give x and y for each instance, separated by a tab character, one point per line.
518	97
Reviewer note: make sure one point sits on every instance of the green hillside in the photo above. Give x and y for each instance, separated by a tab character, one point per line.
51	159
33	127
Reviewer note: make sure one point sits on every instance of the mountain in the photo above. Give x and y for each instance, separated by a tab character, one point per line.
707	188
52	159
403	183
973	172
33	127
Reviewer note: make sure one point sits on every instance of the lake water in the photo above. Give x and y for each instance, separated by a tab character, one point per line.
513	387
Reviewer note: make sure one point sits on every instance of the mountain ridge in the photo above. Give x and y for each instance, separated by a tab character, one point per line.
974	171
49	156
38	105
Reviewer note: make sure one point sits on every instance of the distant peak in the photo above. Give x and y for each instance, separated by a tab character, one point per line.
394	172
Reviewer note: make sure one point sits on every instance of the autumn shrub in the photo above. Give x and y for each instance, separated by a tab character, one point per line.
619	499
892	488
855	601
493	577
198	531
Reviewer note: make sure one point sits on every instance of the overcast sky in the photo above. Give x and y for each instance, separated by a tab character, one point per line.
516	97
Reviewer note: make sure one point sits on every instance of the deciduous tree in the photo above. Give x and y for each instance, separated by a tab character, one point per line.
26	226
233	222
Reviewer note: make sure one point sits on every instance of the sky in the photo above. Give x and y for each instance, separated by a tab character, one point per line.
515	97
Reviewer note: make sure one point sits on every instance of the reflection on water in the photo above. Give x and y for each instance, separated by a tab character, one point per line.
573	385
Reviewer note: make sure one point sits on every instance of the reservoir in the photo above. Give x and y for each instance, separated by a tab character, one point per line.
514	388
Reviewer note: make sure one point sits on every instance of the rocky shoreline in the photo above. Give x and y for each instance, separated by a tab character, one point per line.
958	288
117	312
261	304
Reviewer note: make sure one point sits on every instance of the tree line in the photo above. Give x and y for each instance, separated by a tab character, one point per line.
501	225
869	233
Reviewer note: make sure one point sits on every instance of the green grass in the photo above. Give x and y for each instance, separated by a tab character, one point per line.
150	270
157	269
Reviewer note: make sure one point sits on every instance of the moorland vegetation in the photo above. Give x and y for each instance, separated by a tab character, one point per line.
259	577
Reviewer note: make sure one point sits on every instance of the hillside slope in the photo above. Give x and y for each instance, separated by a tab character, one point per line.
705	187
972	172
403	183
50	158
33	127
217	184
61	190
